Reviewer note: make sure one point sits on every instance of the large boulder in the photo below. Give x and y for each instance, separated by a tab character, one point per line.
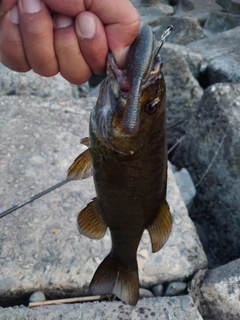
221	57
211	152
221	21
216	292
187	5
40	247
183	90
186	29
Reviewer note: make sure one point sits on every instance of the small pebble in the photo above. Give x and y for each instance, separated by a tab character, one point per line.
145	293
176	289
158	290
37	296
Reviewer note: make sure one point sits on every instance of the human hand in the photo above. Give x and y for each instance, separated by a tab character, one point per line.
68	36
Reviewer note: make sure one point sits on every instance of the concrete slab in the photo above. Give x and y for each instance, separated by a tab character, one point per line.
177	308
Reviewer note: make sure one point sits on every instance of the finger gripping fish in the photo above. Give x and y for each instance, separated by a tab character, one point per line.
127	156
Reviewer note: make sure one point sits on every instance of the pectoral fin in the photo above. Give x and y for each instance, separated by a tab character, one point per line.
90	221
160	228
82	167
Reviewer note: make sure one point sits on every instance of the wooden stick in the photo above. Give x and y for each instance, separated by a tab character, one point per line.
69	300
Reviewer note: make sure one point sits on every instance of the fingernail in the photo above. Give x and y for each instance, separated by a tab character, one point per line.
31	6
14	16
61	21
86	26
121	57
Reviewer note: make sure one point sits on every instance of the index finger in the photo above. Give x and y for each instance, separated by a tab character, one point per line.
5	6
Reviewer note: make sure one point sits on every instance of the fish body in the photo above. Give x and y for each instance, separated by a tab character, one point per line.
129	169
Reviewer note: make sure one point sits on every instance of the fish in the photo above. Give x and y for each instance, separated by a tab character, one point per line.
127	156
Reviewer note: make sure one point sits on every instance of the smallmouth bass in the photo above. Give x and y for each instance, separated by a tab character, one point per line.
127	156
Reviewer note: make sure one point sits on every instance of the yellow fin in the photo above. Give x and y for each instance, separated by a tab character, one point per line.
159	230
82	167
85	141
90	221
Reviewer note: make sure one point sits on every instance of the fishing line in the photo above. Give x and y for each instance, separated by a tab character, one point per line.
58	185
32	198
176	144
214	157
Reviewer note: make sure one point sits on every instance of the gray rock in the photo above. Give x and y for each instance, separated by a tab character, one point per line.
145	293
186	29
80	91
218	45
216	292
202	235
40	247
176	308
187	5
176	289
150	15
37	296
220	21
152	11
166	9
183	92
173	2
193	59
225	4
201	15
147	3
223	69
221	55
235	6
29	83
211	153
158	290
185	185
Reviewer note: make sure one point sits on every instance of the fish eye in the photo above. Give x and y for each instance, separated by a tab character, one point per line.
151	107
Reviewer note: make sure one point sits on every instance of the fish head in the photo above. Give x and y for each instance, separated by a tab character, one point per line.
113	98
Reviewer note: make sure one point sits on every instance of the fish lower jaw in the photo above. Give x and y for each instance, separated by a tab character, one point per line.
117	133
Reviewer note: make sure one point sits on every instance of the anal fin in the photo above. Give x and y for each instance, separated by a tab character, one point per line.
82	167
90	221
159	230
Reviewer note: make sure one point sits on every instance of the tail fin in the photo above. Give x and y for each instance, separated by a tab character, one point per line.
113	277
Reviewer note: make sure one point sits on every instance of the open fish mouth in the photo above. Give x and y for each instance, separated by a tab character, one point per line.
121	87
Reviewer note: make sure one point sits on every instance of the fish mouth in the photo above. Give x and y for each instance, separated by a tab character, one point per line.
112	104
123	94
